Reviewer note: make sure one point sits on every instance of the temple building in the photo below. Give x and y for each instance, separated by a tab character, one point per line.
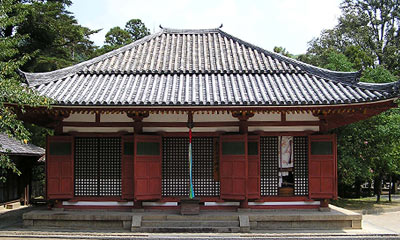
260	125
18	187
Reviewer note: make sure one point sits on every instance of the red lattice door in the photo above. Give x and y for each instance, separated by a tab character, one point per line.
147	167
233	166
322	167
60	167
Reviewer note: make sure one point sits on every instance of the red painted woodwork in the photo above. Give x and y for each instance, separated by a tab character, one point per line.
60	169
127	167
184	124
216	109
253	180
323	170
233	170
147	170
283	199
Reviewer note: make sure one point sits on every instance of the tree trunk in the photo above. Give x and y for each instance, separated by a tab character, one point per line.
370	188
378	187
390	188
357	188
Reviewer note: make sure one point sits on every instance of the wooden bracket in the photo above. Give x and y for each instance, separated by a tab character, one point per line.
243	116
138	119
56	122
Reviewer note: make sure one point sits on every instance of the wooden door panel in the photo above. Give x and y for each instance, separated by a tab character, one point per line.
147	167
60	167
127	188
322	167
233	166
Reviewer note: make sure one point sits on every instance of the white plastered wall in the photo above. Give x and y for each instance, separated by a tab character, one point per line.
285	128
301	117
195	129
81	117
97	129
115	117
266	117
197	117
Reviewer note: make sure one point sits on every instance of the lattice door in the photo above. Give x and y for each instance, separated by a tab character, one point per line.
97	166
175	167
269	166
300	154
203	167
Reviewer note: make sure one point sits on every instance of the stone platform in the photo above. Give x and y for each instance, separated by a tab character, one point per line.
243	220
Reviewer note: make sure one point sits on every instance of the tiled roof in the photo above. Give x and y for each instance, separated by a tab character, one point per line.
202	67
14	147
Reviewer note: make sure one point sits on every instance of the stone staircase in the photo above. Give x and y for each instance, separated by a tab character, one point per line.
206	221
178	223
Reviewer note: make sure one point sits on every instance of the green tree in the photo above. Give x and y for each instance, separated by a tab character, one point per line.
117	37
283	51
369	150
378	75
372	26
136	29
12	93
367	39
56	39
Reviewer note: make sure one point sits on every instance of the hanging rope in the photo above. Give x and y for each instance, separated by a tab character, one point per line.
191	191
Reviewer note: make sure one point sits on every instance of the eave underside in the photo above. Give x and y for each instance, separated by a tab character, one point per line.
330	116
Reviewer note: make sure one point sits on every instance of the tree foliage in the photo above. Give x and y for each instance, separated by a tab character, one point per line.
367	39
136	29
283	51
368	26
56	40
117	37
12	14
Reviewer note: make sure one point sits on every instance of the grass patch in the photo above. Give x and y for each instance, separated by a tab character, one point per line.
364	203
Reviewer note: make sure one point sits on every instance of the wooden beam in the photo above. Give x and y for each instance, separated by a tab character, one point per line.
197	124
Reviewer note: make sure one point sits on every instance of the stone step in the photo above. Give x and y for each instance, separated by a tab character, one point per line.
190	224
190	218
188	229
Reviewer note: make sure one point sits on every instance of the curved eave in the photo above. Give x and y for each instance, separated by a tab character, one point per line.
347	77
187	106
34	79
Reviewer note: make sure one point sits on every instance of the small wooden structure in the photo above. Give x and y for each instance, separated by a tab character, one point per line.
25	156
260	125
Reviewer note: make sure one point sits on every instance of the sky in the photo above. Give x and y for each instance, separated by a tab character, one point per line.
266	23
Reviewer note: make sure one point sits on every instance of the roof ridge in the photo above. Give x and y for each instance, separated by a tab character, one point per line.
46	77
190	30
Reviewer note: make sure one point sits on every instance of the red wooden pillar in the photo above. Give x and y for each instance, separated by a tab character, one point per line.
253	158
127	188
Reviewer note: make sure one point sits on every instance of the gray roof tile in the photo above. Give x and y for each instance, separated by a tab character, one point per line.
12	146
202	67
